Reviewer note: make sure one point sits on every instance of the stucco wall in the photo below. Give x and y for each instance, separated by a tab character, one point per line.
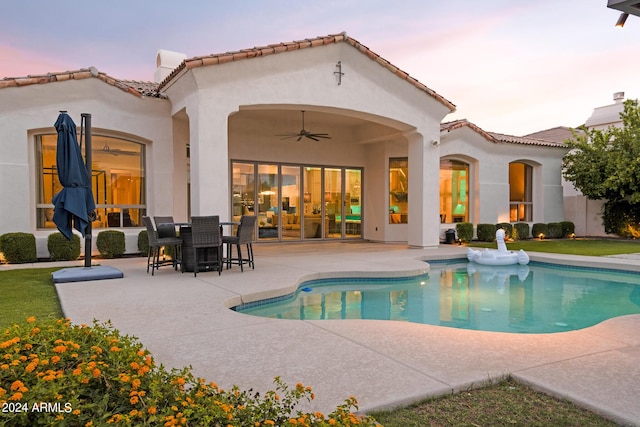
305	79
492	162
31	110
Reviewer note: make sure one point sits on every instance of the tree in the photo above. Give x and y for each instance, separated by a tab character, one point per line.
605	164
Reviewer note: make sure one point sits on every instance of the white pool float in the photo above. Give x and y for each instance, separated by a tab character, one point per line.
501	256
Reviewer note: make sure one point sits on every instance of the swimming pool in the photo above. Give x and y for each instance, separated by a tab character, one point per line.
537	298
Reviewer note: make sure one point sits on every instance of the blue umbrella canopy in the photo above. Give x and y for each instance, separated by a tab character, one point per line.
74	204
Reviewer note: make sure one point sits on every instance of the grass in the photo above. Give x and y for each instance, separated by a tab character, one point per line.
504	403
31	292
27	292
590	247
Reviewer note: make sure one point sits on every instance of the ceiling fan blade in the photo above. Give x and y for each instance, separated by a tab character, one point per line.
310	136
299	137
321	135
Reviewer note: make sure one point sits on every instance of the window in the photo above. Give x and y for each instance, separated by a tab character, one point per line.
118	181
520	192
398	190
454	191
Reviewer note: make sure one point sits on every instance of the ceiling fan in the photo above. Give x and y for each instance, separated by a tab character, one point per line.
304	133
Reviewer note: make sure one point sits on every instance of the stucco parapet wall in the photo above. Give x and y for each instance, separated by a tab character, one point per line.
499	137
222	58
135	88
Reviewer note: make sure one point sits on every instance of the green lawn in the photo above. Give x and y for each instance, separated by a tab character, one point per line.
593	247
502	404
27	292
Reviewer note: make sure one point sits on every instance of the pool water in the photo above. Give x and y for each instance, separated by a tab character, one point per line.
538	298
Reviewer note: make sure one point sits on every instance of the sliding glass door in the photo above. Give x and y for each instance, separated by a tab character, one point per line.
298	202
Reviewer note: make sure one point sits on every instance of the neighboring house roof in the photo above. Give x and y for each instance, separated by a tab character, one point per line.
136	88
499	137
222	58
556	134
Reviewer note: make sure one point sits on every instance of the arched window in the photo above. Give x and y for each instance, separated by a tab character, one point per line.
520	192
454	191
118	181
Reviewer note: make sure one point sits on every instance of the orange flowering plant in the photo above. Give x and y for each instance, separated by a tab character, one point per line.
57	373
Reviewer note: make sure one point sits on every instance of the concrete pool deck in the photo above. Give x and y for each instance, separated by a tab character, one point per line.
184	321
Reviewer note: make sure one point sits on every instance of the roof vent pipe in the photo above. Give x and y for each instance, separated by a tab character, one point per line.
618	97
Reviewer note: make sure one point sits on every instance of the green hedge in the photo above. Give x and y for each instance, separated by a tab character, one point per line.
520	231
507	227
555	230
61	249
486	232
539	228
18	248
143	243
111	243
568	228
464	231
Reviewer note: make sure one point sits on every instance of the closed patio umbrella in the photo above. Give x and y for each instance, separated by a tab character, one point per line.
74	204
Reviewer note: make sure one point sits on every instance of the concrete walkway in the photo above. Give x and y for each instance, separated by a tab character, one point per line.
184	320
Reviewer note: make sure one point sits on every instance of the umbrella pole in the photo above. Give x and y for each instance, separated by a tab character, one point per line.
86	118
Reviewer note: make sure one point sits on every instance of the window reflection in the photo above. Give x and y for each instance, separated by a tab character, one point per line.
454	191
118	181
398	190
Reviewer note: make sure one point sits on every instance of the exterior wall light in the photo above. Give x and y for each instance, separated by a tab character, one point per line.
622	19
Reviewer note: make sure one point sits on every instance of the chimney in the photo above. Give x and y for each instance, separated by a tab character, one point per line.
166	62
618	97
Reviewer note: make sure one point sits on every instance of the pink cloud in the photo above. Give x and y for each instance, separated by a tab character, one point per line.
20	63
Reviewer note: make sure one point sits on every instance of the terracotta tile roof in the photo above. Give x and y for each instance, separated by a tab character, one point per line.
136	88
222	58
456	124
499	137
525	140
557	134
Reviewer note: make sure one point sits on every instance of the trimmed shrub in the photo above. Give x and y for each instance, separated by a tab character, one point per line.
568	228
555	230
19	248
538	229
61	249
520	231
486	232
464	231
111	243
507	227
99	377
143	243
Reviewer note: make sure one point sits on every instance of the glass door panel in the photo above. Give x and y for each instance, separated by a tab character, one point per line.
243	191
268	207
333	202
290	217
353	203
312	200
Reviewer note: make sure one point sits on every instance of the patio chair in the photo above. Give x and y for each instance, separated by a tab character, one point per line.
206	236
155	243
165	228
244	236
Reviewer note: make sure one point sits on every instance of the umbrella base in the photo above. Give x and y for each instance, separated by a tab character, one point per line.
83	274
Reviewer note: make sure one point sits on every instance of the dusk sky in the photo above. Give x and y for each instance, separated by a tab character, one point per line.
513	67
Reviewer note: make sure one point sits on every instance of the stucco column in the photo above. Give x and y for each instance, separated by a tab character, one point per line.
424	192
209	160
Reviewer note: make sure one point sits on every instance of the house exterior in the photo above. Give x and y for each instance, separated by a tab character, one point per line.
322	139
